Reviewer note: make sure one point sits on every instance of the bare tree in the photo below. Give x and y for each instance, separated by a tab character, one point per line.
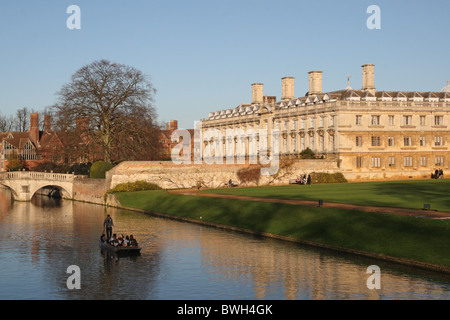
6	123
22	120
117	100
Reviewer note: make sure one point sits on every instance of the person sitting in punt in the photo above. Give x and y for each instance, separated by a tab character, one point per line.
133	241
126	241
113	239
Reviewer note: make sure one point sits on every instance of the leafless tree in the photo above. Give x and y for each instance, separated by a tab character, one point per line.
6	123
22	120
117	99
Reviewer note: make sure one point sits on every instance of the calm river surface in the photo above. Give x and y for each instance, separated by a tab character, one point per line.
179	261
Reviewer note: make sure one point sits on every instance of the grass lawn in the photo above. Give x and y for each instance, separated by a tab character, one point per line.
403	194
420	239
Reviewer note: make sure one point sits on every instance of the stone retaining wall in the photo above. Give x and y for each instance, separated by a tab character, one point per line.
89	190
172	176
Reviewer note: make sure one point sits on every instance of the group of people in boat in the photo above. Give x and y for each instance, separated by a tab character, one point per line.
119	241
112	239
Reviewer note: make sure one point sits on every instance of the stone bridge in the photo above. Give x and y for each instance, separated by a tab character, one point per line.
24	184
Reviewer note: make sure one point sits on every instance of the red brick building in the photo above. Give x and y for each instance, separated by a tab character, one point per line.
37	146
167	143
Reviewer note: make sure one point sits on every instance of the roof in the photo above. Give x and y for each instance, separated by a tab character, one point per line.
17	139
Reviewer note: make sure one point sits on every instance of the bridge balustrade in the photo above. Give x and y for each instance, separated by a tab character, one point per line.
30	175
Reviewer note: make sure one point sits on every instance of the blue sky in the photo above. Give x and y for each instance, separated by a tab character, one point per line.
203	55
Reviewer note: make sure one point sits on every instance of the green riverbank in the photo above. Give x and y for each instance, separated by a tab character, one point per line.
415	241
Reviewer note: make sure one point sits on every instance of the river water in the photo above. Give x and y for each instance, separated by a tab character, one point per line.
39	241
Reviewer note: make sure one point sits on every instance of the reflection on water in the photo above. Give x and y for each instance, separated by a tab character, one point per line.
40	240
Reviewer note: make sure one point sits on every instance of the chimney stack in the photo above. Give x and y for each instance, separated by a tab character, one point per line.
257	93
172	125
315	83
34	127
287	88
368	78
47	123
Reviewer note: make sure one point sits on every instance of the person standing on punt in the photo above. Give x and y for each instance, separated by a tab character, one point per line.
108	225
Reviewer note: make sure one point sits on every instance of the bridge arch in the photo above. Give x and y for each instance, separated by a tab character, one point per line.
62	190
13	192
24	185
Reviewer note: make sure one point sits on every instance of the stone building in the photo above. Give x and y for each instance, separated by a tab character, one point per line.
373	135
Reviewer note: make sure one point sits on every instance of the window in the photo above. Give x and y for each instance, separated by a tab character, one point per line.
302	142
438	120
407	120
376	162
358	120
407	141
359	162
391	120
321	121
332	143
423	161
294	144
375	120
376	141
422	120
390	141
311	123
331	121
391	161
439	160
294	124
438	141
311	142
303	123
422	141
358	141
407	161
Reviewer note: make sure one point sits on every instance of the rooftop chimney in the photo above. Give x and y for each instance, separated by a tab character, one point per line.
287	88
315	83
172	125
368	78
257	93
47	123
34	127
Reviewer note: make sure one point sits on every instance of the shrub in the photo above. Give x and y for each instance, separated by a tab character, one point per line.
322	177
99	168
308	154
134	186
15	165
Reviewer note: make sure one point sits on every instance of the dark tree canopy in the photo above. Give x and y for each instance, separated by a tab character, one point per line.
117	101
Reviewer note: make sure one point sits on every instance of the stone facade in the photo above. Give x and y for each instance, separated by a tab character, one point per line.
373	135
